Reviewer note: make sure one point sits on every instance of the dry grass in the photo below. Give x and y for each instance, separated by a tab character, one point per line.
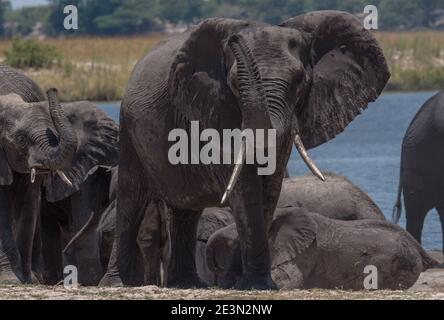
92	68
99	68
416	59
152	292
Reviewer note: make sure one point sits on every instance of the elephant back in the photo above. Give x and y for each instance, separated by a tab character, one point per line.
14	81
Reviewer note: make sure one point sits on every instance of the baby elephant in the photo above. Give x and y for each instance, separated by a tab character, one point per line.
336	198
312	251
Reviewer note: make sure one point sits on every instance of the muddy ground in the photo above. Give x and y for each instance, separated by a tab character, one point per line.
430	285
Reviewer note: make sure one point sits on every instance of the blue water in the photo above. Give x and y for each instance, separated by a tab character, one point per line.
367	153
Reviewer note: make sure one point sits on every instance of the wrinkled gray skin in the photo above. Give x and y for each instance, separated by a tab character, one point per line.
422	168
336	198
47	137
311	75
62	220
311	251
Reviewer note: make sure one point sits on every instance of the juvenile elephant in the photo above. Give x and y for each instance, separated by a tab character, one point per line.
309	250
335	198
306	78
422	168
64	219
42	143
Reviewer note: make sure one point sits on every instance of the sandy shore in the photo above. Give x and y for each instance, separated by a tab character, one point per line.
430	285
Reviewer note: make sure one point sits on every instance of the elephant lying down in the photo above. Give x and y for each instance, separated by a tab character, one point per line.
336	198
309	250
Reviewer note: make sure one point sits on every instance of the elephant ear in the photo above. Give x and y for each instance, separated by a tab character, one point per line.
97	137
198	73
292	232
349	72
6	176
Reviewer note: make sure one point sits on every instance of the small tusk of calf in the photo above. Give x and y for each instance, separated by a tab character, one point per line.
33	174
65	179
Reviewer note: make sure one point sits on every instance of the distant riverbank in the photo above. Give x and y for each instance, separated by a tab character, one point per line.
99	68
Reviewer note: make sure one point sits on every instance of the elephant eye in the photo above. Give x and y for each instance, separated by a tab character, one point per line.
20	139
292	43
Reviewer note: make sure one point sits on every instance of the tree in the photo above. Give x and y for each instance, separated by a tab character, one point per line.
5	6
134	16
401	14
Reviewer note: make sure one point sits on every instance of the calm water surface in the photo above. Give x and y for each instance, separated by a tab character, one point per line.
367	153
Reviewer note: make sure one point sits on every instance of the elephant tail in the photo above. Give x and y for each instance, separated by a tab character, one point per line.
94	223
397	209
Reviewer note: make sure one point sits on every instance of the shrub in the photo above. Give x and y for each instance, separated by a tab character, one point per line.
31	54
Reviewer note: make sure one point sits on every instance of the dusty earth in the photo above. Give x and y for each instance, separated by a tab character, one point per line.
430	285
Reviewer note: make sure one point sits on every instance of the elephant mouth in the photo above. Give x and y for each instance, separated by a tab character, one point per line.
37	171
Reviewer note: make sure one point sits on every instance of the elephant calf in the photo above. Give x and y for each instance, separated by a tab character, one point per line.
336	198
309	250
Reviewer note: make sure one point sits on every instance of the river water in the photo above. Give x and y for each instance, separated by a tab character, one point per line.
367	153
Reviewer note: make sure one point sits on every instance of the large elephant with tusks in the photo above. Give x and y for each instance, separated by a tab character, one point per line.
306	78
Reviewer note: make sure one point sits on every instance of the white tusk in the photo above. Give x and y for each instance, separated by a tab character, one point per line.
33	174
236	172
304	155
65	179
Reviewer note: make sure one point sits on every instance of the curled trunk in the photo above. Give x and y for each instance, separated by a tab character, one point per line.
67	146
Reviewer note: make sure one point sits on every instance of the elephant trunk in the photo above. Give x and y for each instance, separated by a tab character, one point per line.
253	101
62	157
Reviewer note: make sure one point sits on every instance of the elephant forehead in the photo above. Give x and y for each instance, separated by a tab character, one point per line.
272	36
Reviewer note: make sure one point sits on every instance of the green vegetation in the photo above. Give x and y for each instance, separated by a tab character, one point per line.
31	54
98	68
123	17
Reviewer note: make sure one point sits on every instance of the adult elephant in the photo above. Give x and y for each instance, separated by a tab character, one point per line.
306	78
422	171
41	143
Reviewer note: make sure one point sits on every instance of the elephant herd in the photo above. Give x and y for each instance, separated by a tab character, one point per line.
75	189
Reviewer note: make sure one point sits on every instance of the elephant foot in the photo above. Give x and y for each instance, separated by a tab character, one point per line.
9	278
256	282
187	282
110	280
227	282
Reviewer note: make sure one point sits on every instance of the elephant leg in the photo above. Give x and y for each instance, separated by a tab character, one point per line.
51	247
416	209
124	266
248	211
149	241
441	217
37	276
26	224
181	270
10	262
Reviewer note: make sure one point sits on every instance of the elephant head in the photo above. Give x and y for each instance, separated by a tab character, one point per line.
35	138
292	237
43	138
306	78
